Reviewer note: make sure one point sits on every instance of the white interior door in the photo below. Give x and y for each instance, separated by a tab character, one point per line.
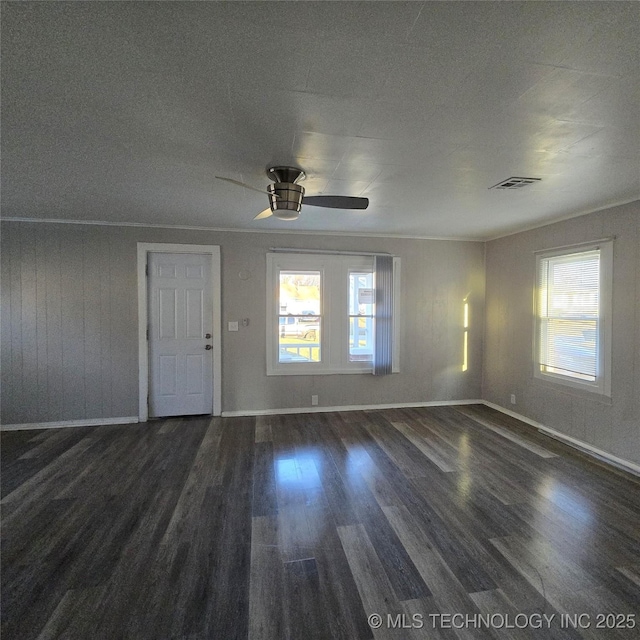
180	324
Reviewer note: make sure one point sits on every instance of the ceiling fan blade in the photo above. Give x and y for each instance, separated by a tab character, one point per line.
264	214
337	202
242	184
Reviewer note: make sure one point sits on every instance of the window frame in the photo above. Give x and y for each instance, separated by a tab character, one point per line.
334	304
602	383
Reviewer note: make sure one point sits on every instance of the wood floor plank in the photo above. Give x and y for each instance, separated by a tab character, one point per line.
632	573
469	510
169	426
263	429
304	615
201	476
421	620
340	595
603	545
332	467
506	433
266	582
18	472
228	605
301	525
421	444
264	482
57	441
494	602
363	464
64	625
338	591
371	580
42	486
460	552
403	453
448	593
400	570
556	578
462	561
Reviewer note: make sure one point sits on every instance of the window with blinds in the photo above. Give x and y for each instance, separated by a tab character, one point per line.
571	318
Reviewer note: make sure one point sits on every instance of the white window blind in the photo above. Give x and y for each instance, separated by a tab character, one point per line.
569	315
383	355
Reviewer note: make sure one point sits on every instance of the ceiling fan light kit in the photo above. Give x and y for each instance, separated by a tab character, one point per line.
285	200
285	196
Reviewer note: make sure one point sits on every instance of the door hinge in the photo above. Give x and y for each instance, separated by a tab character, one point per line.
146	270
147	333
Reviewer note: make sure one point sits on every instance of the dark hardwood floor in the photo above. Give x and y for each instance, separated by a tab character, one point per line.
447	522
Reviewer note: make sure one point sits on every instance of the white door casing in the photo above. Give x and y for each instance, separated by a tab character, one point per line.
179	305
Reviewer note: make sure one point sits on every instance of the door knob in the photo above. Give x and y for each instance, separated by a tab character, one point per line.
208	347
207	336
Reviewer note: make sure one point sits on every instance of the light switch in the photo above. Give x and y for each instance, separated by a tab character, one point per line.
233	326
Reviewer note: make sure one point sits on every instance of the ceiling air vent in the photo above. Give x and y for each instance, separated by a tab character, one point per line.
515	183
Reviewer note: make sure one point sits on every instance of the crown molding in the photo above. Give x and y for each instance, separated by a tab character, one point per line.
104	223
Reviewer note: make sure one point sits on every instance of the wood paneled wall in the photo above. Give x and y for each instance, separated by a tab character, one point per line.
68	351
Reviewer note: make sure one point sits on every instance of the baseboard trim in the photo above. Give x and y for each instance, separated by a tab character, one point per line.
349	407
89	422
594	452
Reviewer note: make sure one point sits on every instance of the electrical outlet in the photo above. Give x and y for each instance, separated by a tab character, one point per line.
314	400
513	398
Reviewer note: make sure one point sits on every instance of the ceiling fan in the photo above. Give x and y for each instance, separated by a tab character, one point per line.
286	197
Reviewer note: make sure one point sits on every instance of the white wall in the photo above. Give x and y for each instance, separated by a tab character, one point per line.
610	424
69	322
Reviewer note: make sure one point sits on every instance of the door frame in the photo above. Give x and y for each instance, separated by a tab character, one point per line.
144	249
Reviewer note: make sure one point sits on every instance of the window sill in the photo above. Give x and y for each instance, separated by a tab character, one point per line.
318	372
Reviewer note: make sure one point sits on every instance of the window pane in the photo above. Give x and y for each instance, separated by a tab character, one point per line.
300	293
361	294
300	317
361	339
299	339
361	310
569	289
571	348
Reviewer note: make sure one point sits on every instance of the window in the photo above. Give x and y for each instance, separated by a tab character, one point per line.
299	316
361	331
321	314
573	317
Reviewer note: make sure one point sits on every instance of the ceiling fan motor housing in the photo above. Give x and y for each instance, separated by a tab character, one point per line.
285	199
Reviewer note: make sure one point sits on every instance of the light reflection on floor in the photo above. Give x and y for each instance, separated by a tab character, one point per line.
567	499
465	480
359	463
286	471
301	472
301	497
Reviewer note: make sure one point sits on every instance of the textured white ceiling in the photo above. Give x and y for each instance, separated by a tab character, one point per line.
125	111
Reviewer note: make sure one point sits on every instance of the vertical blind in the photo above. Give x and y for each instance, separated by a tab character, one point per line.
569	314
383	351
